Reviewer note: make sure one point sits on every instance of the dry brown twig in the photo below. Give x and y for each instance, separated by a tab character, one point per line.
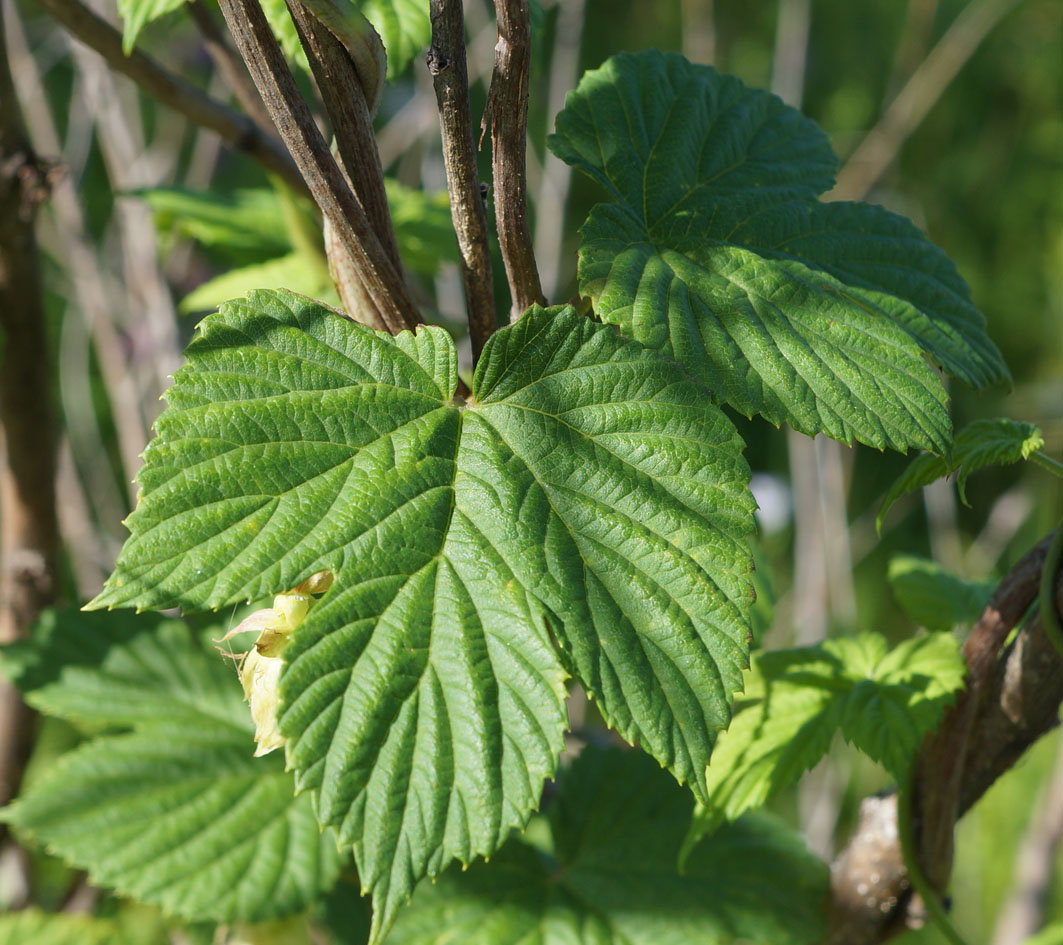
450	77
361	247
507	110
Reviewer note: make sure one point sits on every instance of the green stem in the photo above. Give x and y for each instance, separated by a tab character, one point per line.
1047	597
919	882
1046	462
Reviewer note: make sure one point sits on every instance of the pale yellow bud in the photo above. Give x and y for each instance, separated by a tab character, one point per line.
260	670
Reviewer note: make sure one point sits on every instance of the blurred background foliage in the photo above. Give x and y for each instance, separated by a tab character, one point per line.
982	173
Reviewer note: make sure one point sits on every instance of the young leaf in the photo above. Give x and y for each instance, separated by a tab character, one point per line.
587	491
290	271
606	874
176	812
979	444
715	251
405	28
883	702
136	14
244	225
935	598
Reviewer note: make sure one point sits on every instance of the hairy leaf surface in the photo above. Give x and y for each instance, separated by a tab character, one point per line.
175	812
979	444
587	492
603	872
715	250
882	701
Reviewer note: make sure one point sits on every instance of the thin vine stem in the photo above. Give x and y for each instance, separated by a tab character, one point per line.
1047	596
919	882
1054	466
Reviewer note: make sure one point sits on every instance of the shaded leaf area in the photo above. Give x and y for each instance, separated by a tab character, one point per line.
587	495
173	809
601	870
882	702
34	927
979	444
714	250
934	597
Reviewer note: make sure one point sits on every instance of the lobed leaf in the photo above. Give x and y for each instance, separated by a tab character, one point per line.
605	874
175	812
882	701
933	597
714	250
586	495
979	444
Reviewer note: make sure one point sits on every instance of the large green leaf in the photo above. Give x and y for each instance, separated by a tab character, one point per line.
175	812
587	493
933	597
882	701
714	250
604	873
979	444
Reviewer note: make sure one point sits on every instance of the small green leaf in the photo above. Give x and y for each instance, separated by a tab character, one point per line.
175	812
715	251
979	444
795	701
935	598
244	225
587	493
404	26
284	272
605	874
423	227
136	14
34	927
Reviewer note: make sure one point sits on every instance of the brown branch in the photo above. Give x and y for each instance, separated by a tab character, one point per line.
229	65
1011	700
381	281
450	76
508	111
29	530
352	124
237	130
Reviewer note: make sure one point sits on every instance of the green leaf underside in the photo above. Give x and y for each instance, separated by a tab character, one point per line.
882	701
933	597
404	27
588	493
136	14
607	875
979	444
175	812
715	251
